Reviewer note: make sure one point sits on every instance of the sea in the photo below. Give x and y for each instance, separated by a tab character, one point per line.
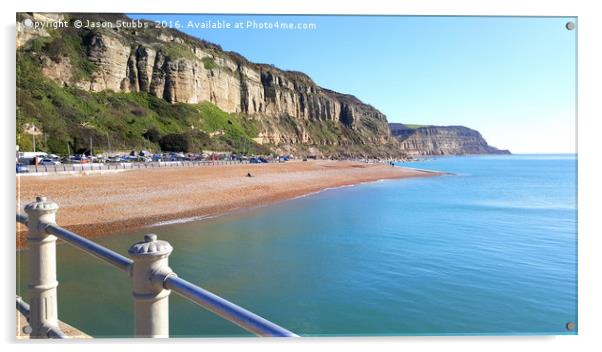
488	249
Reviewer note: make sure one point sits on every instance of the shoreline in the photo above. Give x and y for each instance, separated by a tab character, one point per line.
91	204
243	209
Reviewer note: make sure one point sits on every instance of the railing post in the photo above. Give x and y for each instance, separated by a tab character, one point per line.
151	299
42	278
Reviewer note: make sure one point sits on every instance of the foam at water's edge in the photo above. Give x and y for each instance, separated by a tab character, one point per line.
205	217
322	190
182	220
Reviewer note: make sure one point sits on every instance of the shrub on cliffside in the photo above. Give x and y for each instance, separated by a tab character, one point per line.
153	135
175	142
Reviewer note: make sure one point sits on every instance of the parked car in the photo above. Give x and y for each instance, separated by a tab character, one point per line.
99	159
80	159
50	162
254	161
115	159
22	168
263	160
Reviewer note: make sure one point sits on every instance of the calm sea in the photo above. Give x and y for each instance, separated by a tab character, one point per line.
491	250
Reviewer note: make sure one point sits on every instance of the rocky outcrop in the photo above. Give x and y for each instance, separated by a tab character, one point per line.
25	29
442	140
181	69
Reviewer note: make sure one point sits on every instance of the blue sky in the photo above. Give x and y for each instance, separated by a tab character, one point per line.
511	78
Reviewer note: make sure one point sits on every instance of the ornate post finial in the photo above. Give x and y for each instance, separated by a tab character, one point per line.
151	299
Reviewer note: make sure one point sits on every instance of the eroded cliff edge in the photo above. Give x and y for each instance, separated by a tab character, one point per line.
441	140
287	110
123	88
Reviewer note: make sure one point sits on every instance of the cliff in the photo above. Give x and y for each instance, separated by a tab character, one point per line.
441	140
282	110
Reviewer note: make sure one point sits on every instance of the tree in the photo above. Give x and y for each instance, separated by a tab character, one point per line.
175	142
152	134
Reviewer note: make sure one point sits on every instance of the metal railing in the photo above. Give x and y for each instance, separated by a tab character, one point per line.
90	247
52	332
74	168
152	279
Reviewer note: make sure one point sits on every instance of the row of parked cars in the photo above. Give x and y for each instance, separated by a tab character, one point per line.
145	157
261	159
49	159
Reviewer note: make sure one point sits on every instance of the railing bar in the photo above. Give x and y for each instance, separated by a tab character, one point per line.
90	247
56	333
23	307
219	306
53	331
225	309
22	219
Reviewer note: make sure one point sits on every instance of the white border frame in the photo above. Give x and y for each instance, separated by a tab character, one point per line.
589	79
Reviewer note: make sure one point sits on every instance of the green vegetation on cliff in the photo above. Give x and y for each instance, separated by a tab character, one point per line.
176	51
209	63
67	44
414	126
118	121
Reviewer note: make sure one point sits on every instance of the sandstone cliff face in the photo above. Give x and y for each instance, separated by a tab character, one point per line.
442	140
181	69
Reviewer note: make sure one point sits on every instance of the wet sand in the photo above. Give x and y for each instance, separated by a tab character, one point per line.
104	204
